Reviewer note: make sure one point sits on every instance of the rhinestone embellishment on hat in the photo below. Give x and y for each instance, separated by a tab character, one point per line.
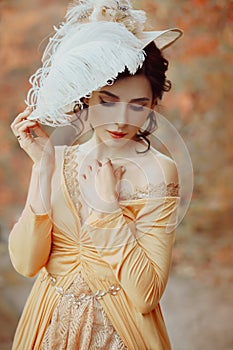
123	8
120	11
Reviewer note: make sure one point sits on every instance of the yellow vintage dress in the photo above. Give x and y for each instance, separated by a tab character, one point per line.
100	281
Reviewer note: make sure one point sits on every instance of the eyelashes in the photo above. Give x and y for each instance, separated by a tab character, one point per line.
134	107
106	104
137	108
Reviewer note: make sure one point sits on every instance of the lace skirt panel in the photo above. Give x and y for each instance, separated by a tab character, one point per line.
83	325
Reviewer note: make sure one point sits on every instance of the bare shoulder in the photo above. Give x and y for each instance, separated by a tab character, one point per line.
151	174
167	165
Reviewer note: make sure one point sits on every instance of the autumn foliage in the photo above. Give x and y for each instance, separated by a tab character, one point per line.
199	105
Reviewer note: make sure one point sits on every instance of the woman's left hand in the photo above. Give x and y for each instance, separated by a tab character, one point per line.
98	185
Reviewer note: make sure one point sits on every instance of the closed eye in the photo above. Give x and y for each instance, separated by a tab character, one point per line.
106	104
134	107
137	108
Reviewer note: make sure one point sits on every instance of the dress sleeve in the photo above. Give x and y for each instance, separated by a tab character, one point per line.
30	238
139	254
30	242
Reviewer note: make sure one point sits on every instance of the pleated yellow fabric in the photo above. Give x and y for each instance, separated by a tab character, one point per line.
106	252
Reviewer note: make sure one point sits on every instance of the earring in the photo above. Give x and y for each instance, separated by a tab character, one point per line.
78	107
153	125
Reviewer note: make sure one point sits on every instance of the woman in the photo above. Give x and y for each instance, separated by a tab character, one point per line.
99	219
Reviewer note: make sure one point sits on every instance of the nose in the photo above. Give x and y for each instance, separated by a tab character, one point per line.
121	117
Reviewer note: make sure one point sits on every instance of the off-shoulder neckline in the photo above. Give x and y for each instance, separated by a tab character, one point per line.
70	165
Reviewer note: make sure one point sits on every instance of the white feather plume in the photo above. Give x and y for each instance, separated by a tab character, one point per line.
96	41
90	56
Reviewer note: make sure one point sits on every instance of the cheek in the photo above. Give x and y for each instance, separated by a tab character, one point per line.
100	116
132	130
137	120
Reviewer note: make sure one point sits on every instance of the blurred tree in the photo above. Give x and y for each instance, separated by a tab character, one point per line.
199	105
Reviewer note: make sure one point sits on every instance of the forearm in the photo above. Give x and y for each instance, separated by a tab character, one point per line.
30	238
140	256
39	195
119	248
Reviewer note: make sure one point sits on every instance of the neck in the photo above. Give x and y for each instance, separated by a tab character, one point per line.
101	150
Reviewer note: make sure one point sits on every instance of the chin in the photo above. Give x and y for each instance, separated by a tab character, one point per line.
117	143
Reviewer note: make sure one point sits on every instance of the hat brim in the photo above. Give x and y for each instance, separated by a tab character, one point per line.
162	39
86	60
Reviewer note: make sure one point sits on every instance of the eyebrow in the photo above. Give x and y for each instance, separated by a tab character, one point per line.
117	97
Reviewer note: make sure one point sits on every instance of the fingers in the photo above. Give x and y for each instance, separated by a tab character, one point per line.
21	126
22	130
21	116
119	171
24	126
94	167
91	168
106	161
38	130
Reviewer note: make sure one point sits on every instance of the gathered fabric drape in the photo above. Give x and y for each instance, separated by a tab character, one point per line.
129	250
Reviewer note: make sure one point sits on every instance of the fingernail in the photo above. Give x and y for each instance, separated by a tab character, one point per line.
123	169
107	160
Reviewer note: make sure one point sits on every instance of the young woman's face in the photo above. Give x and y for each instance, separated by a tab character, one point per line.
117	112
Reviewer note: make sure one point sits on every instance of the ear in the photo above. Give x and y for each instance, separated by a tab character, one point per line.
154	103
86	101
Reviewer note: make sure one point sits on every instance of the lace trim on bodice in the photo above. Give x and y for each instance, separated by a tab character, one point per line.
71	175
149	191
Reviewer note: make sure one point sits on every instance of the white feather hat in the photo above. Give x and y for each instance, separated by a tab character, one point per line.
97	41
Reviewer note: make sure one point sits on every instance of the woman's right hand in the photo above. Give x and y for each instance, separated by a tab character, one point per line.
39	147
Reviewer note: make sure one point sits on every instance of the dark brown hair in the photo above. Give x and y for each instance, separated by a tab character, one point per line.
154	68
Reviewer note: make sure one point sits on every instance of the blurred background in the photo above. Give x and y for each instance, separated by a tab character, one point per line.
198	301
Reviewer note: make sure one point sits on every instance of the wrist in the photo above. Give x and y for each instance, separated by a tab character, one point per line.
106	209
43	170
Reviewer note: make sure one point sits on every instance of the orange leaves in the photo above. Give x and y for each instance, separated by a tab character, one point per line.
184	102
202	45
198	2
200	69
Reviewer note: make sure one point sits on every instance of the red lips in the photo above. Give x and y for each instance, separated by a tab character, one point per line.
116	134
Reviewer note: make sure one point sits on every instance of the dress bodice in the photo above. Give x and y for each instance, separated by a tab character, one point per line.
70	173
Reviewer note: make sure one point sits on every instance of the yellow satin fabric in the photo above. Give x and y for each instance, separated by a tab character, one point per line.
131	247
